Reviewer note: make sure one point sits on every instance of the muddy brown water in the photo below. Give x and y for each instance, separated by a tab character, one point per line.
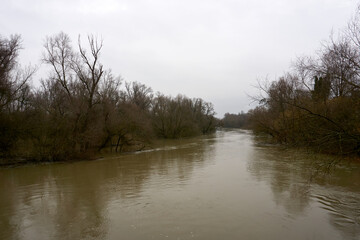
223	186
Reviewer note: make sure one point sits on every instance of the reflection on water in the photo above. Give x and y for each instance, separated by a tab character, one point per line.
219	186
72	201
300	180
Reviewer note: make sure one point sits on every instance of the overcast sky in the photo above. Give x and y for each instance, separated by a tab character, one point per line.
213	49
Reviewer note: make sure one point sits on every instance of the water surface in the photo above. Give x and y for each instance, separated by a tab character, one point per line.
223	186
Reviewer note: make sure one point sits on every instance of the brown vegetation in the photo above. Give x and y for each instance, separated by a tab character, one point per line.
82	108
317	104
232	120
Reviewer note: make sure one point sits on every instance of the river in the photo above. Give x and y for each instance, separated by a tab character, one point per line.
223	186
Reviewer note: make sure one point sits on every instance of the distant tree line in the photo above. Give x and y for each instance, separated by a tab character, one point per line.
231	120
317	103
82	108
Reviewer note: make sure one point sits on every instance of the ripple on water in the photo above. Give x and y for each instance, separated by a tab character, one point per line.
343	209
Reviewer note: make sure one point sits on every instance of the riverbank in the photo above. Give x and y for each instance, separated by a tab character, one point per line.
109	152
261	140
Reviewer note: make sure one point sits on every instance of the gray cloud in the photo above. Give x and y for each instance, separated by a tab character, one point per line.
210	49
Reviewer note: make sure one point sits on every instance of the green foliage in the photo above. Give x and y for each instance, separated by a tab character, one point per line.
321	90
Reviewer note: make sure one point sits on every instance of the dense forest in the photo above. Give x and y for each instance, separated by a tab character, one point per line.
317	103
82	108
231	120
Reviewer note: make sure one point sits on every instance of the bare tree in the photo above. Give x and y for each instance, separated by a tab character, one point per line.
60	55
89	70
13	80
15	94
139	94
